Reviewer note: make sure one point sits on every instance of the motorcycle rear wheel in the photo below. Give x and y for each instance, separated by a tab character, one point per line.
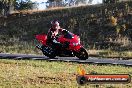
82	54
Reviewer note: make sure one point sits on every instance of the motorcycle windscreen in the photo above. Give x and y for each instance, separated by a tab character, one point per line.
41	38
68	35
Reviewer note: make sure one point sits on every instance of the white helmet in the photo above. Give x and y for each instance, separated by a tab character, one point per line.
55	22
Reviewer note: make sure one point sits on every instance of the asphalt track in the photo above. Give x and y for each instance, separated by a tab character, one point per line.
94	60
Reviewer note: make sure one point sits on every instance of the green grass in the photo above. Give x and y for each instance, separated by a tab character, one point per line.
21	47
45	74
111	53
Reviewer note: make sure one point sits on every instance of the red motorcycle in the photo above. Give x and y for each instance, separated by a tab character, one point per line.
67	44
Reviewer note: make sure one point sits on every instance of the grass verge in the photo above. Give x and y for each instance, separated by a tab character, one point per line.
29	48
45	74
111	54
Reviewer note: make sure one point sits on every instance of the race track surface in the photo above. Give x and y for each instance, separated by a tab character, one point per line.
94	60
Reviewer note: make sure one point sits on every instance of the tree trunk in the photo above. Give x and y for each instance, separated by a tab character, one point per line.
11	8
6	8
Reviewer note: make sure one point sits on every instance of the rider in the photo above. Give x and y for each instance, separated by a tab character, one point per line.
53	31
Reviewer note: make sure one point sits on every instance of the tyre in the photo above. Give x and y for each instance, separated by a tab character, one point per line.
48	51
82	54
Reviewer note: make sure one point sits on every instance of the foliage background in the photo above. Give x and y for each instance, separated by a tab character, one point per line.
105	26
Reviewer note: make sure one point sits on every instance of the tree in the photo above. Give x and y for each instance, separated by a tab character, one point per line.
90	1
55	3
6	6
24	5
77	2
110	1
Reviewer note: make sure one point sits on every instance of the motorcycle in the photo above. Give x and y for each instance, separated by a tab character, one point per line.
65	45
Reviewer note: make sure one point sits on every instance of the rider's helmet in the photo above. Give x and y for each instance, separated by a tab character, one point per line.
55	24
